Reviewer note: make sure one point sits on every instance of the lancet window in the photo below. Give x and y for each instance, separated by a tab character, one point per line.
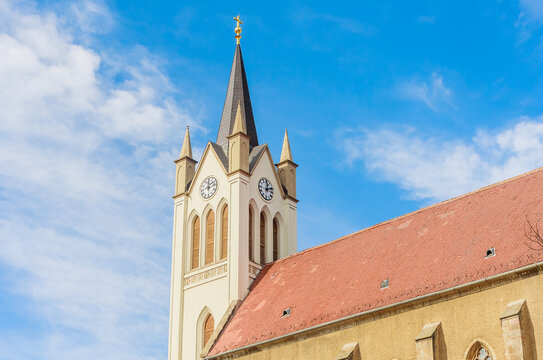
224	232
275	240
195	261
251	256
210	237
209	327
262	238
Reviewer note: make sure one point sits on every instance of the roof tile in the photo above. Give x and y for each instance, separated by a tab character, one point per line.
429	250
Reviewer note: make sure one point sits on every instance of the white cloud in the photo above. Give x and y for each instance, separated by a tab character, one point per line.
92	16
84	188
433	92
533	9
437	169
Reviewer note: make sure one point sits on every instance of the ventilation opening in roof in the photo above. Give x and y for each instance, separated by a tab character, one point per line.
490	252
384	284
286	312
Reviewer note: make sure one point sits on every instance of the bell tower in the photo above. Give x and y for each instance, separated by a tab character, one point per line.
234	212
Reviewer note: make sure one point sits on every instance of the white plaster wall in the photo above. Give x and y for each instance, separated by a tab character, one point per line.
214	295
209	165
176	292
287	239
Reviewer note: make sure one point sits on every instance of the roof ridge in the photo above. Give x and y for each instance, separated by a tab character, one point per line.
443	202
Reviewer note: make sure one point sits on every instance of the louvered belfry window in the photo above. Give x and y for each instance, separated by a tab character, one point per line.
224	232
208	328
210	237
251	257
275	239
262	238
195	243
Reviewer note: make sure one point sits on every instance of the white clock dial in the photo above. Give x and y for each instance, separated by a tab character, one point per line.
265	188
208	187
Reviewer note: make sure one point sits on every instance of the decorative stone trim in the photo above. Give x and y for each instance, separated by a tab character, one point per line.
194	279
428	331
515	322
513	309
254	269
427	342
349	351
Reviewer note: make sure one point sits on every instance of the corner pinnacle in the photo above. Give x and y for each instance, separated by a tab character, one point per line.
286	154
239	123
186	150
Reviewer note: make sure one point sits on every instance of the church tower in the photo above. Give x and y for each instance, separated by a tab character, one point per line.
234	212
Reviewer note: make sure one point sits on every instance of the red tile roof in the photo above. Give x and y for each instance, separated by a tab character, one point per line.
432	249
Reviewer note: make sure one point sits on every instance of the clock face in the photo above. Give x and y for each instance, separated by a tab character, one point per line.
265	188
208	187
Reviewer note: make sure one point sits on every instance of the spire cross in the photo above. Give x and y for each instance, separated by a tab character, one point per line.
237	30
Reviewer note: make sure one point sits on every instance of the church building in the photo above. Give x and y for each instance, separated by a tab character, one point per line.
459	280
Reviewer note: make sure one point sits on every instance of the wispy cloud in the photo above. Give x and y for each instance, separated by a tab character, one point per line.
441	168
307	16
532	9
529	20
432	92
84	215
427	19
92	16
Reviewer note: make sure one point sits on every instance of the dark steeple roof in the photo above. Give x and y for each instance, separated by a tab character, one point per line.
238	91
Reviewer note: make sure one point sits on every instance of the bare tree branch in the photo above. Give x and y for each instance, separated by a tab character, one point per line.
534	236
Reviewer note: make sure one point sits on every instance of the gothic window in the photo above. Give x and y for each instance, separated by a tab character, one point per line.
251	234
224	232
195	262
209	325
262	238
479	350
275	239
210	237
482	354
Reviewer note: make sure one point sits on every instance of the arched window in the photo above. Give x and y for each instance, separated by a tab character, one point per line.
210	236
195	243
224	232
262	238
482	354
275	240
479	350
209	326
251	257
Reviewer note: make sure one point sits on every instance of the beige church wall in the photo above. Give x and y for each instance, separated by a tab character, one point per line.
463	320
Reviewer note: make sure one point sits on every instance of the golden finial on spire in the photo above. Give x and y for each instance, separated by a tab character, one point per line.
237	30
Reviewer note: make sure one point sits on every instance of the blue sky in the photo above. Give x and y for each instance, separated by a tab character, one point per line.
390	106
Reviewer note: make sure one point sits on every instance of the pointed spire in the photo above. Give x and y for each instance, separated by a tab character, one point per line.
186	150
239	123
286	154
237	94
